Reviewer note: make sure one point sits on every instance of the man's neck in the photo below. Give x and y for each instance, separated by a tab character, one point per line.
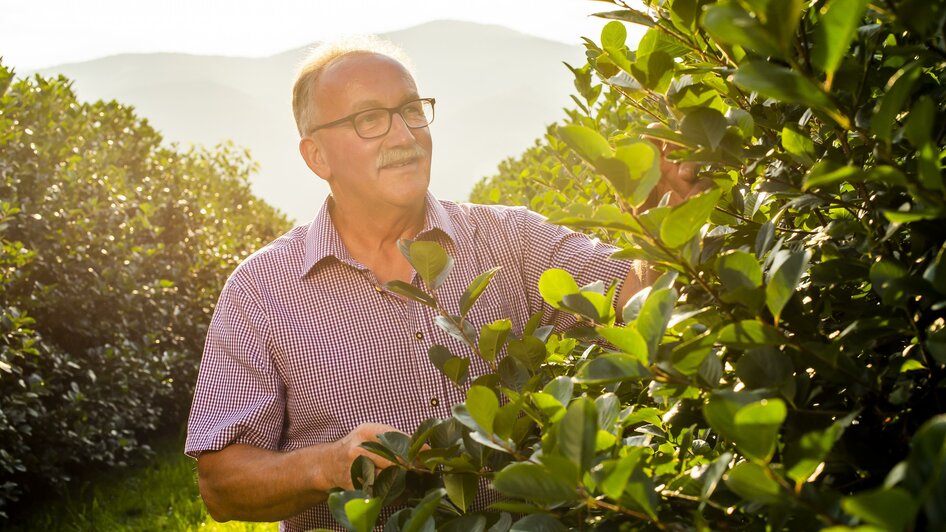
371	236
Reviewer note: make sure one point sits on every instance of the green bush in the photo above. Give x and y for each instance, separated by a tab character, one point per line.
114	249
786	371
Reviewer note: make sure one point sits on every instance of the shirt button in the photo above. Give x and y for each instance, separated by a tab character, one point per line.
378	289
419	335
434	401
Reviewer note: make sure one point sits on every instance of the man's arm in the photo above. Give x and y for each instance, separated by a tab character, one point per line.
253	484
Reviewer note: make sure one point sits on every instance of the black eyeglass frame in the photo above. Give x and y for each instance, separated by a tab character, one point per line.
391	110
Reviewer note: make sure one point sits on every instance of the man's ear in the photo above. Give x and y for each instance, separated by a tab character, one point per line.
311	151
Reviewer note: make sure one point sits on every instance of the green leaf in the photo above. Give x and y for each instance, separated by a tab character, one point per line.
834	33
363	513
616	480
451	326
577	431
687	357
390	484
587	142
465	523
611	368
898	89
742	120
627	15
750	333
658	40
926	470
935	273
613	35
455	368
786	85
642	160
654	70
492	337
805	457
561	389
397	442
608	406
751	482
411	292
529	350
783	282
798	144
475	289
757	426
337	502
825	173
430	261
555	284
685	220
362	472
482	405
919	124
739	269
936	345
534	482
765	367
748	419
549	405
421	519
764	239
461	488
538	523
905	217
513	374
888	508
729	23
654	317
704	126
628	340
782	18
884	277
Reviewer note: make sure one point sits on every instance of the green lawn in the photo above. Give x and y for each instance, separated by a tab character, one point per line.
159	496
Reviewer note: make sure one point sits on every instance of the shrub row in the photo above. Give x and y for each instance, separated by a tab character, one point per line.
114	247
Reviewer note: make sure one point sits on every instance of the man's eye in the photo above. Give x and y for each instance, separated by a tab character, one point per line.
371	117
413	109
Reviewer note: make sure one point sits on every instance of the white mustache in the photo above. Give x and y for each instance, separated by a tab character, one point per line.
401	155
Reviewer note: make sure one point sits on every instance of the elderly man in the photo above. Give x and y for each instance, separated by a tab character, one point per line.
308	355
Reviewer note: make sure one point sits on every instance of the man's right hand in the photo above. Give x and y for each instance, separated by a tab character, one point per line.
253	484
349	448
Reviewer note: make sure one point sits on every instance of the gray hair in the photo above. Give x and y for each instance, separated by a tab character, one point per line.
323	55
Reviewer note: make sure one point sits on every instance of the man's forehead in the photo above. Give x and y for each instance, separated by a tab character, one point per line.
362	68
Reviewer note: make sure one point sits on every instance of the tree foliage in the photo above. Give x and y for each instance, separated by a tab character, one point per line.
114	248
786	370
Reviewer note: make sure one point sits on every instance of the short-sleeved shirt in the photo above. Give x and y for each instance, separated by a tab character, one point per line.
305	344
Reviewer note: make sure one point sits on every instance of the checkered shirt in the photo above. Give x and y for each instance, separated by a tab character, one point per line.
305	344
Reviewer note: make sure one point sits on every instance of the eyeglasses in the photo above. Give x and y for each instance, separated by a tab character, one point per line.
374	123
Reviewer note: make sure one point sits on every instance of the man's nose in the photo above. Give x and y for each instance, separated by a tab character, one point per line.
400	131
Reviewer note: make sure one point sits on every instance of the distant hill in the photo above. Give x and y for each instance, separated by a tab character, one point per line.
496	91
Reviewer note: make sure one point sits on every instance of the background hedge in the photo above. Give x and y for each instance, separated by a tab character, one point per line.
114	248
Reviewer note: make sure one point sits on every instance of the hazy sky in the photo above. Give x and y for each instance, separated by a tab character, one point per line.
40	33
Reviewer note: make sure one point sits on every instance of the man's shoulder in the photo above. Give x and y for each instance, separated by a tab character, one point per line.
478	213
283	256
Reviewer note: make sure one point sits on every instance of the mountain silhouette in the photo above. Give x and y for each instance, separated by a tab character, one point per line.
496	91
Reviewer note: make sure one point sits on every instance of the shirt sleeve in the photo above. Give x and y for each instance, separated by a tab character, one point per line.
549	246
239	397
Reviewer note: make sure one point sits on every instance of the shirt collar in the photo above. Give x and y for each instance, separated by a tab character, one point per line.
322	239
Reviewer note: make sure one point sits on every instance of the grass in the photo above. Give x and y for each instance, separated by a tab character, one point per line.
160	496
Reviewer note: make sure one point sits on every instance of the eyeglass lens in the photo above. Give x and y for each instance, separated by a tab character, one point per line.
377	122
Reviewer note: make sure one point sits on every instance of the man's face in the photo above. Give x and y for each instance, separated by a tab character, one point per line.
351	164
